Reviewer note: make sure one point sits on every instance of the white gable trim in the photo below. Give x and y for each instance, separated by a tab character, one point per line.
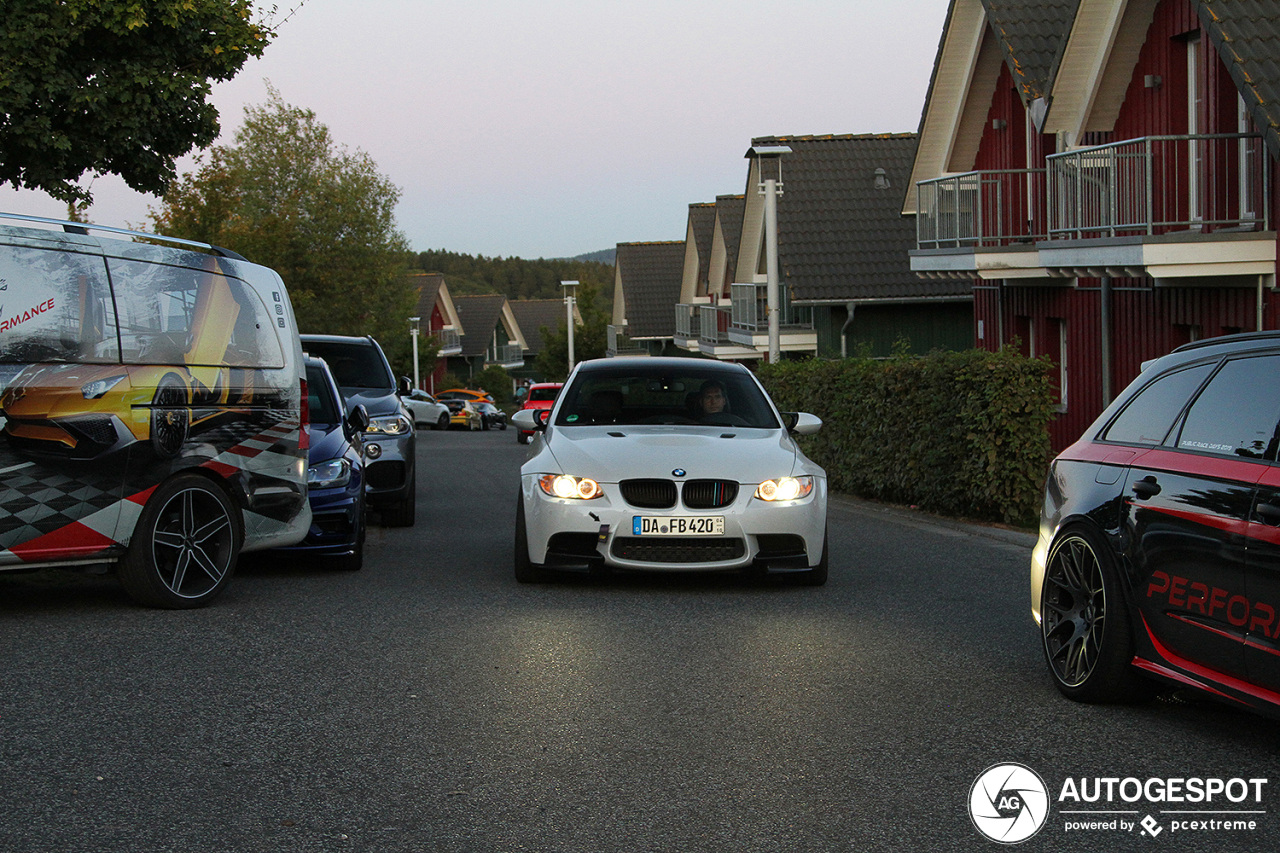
1096	66
953	81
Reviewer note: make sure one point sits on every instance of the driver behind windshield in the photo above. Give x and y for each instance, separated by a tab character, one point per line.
711	399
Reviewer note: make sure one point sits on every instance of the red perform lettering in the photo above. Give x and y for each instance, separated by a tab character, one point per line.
1240	611
18	319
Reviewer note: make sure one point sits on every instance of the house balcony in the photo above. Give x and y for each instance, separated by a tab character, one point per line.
1161	206
982	224
504	355
688	326
749	320
449	341
713	334
620	345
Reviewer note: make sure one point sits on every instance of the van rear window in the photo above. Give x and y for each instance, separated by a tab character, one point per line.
176	315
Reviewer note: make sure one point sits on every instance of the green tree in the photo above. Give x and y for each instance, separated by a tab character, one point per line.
287	196
589	340
114	86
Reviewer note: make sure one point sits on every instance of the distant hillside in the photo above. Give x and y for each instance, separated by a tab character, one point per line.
604	256
518	278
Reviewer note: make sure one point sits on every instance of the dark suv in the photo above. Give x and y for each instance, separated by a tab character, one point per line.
1159	550
365	378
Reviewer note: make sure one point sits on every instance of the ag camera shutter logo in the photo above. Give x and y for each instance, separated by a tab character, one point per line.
1008	803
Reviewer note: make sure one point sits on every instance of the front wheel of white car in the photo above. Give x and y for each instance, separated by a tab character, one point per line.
526	570
817	575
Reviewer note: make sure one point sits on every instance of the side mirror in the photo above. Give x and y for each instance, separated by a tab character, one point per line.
404	387
801	423
535	419
358	419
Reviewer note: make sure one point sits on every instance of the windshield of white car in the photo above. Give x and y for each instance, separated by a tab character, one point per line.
692	395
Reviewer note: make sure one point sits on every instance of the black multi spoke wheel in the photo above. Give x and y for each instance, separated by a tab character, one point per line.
170	417
526	570
184	548
1088	639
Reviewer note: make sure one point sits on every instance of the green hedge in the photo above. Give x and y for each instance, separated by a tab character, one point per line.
960	433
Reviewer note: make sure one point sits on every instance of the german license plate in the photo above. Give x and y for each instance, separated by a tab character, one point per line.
677	525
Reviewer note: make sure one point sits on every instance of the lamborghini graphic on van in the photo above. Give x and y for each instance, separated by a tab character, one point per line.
152	404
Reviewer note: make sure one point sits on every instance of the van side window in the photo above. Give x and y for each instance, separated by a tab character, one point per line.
176	315
55	306
1236	414
1149	415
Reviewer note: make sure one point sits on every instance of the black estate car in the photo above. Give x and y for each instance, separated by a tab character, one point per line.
1159	549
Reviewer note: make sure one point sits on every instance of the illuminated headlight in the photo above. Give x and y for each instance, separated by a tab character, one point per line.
392	425
785	489
564	486
326	475
94	390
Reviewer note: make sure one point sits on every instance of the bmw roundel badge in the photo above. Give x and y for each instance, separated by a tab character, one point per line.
679	472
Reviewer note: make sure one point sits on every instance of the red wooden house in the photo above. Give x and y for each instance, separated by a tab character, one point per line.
439	318
1096	169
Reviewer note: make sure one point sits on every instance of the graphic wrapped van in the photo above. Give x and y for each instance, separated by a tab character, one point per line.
152	409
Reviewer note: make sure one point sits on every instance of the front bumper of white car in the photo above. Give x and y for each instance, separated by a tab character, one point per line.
573	534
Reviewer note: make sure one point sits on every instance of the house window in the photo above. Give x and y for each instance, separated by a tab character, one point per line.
1058	340
1248	157
1195	156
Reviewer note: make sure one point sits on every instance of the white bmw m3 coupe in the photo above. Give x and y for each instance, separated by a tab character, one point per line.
669	464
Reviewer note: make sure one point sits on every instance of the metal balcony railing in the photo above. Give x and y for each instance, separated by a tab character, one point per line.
620	343
996	207
713	324
507	355
688	319
750	309
1158	184
448	339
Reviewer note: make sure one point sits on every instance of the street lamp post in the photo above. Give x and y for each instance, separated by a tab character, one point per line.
769	171
413	334
569	301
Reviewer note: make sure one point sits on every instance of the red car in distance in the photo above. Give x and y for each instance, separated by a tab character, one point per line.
541	396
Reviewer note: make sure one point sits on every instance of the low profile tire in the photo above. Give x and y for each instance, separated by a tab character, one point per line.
502	426
521	438
404	513
526	571
170	417
1084	622
184	548
817	575
442	422
484	424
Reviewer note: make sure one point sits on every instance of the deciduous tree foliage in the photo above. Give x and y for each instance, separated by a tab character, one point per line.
286	196
590	340
114	86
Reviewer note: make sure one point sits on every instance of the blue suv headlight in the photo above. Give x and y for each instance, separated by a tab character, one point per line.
328	474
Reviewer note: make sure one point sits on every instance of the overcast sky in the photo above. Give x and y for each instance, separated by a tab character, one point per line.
551	129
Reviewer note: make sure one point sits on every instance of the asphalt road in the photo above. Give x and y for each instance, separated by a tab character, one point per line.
431	703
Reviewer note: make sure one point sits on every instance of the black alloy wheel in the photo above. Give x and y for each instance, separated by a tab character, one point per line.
526	571
184	547
1084	623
